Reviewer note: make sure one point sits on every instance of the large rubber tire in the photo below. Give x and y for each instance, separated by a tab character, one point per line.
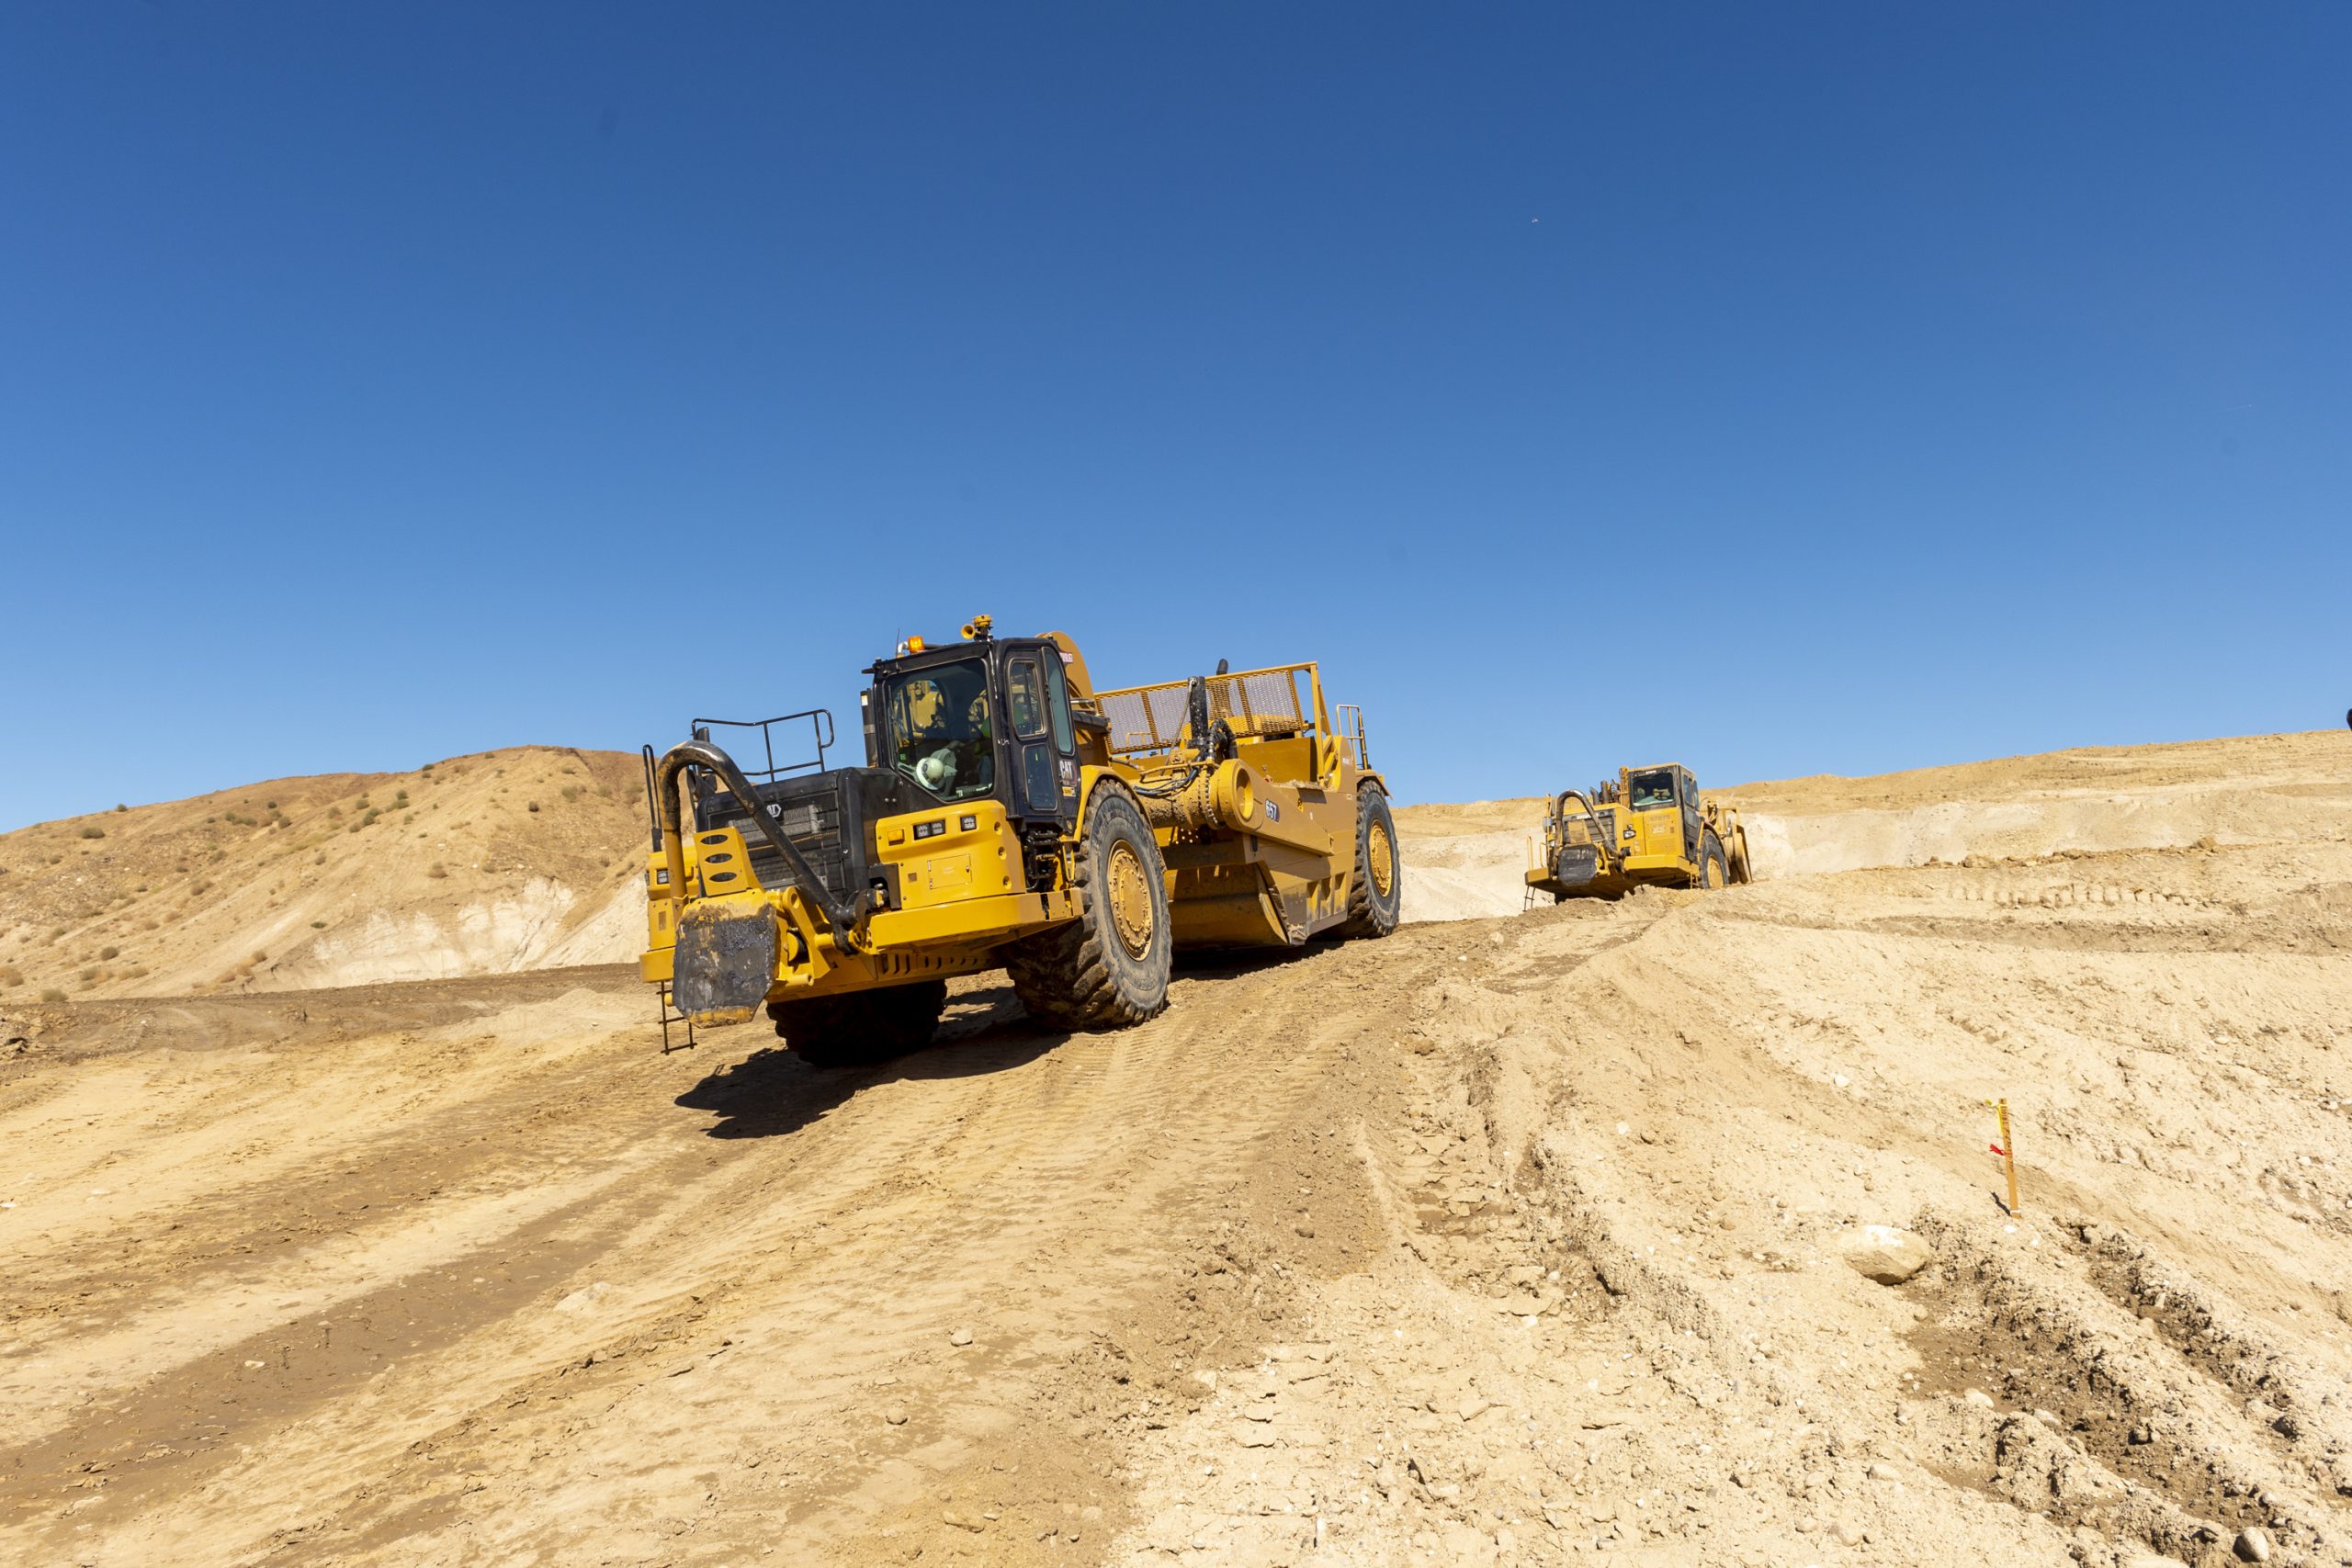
861	1027
1715	872
1108	968
1372	908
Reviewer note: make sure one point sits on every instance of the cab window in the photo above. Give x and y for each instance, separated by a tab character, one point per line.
1057	703
937	729
1024	698
1651	789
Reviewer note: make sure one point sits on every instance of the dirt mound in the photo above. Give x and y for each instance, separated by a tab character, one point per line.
509	859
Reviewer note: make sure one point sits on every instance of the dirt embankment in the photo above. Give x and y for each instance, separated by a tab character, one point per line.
1467	861
519	859
1662	1231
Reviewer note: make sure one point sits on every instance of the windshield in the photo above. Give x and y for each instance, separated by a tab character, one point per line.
938	729
1652	789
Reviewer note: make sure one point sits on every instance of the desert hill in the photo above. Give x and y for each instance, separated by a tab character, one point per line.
529	857
508	860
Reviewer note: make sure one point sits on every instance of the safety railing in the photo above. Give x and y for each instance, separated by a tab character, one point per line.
820	729
1254	704
1349	716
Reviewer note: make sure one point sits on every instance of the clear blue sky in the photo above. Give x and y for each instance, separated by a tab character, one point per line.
1782	389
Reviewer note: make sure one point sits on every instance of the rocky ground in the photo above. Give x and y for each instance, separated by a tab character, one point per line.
1662	1231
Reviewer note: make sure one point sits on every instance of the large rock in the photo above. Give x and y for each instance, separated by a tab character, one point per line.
1886	1254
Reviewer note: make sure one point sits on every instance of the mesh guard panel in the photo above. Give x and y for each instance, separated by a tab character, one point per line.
1256	703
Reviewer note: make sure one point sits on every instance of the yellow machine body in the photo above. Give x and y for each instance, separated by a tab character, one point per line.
1250	796
1650	827
1260	846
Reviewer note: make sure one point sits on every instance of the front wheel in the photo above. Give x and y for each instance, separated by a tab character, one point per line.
1376	895
1109	966
1713	876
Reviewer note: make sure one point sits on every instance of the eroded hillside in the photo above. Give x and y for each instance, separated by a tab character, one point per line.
509	859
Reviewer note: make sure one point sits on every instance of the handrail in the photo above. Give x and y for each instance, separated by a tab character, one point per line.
820	725
844	916
652	798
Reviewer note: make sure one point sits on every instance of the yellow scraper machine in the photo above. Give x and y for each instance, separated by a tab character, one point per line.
1649	827
1007	816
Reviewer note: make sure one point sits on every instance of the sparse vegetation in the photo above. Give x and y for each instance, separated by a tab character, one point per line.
571	793
535	805
108	952
119	806
52	994
94	831
10	977
436	870
318	925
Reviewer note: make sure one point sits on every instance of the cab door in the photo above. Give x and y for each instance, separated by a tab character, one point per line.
1686	792
1042	742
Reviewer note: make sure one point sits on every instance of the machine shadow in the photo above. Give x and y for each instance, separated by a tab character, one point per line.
772	1092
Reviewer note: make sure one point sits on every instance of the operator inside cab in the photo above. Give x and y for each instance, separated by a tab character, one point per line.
1653	789
939	730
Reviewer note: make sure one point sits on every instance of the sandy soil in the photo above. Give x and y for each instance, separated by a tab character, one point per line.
1506	1240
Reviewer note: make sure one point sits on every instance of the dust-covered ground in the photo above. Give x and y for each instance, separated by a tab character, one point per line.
1520	1239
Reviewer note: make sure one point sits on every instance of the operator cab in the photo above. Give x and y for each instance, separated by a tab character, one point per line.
982	719
1668	788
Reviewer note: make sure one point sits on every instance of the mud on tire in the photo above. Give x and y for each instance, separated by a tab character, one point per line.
861	1027
1371	908
1109	966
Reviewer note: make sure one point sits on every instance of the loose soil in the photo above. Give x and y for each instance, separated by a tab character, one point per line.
1512	1239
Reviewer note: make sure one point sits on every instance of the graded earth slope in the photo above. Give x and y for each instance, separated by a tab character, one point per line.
509	860
1657	1231
1466	860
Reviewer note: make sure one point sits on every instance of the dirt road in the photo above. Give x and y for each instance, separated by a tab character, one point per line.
1508	1240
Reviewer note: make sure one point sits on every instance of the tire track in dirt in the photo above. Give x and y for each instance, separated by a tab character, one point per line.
784	1242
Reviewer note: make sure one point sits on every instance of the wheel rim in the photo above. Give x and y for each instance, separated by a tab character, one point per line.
1130	892
1383	856
1713	877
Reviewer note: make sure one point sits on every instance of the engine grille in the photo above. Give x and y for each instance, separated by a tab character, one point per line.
809	810
1605	815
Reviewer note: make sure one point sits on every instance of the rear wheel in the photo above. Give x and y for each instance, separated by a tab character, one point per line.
861	1027
1376	895
1713	875
1110	966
